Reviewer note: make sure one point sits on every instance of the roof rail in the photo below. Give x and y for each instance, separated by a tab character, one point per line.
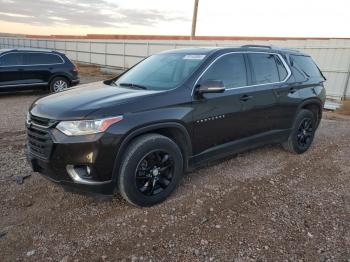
257	46
290	49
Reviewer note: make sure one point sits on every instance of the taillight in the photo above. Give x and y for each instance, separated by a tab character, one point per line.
75	68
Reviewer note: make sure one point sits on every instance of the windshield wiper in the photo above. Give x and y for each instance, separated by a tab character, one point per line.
133	85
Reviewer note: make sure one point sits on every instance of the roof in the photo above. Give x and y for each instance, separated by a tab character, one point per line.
4	50
193	50
27	49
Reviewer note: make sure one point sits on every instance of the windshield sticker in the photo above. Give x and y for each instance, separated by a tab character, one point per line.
194	57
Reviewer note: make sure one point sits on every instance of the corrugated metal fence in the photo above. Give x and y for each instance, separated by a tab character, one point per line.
332	56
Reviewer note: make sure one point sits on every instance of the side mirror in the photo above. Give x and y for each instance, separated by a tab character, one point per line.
211	86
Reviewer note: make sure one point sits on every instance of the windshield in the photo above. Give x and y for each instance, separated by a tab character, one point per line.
160	72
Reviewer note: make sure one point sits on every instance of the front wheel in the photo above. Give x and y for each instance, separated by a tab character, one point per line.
303	133
151	168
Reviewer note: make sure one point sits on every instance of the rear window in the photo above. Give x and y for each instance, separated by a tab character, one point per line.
41	59
264	68
11	60
307	65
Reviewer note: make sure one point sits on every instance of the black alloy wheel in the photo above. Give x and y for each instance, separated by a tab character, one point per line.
302	133
305	133
150	170
154	172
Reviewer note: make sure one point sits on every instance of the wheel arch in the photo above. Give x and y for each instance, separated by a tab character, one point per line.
315	106
173	130
59	75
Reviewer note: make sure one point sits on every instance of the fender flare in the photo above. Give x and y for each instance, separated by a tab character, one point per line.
61	74
146	129
312	101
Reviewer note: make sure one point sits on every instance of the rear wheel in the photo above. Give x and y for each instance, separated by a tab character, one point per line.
59	84
302	134
151	168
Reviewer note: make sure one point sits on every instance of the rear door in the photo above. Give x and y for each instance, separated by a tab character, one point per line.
286	94
11	69
264	109
39	67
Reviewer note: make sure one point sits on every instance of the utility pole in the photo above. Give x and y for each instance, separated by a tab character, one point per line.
194	19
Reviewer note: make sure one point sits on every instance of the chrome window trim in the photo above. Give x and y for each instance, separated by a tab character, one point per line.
32	52
247	52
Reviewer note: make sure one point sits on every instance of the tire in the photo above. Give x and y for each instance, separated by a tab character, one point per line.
144	166
59	84
303	132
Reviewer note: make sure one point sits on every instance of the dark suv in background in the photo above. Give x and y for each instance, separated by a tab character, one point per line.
27	68
138	133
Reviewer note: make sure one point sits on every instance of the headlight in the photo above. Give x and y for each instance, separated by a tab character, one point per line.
87	127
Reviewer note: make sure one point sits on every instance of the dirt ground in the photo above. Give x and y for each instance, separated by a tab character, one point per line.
263	205
345	109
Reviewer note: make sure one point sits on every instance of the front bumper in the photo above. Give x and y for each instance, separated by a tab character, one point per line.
47	170
60	158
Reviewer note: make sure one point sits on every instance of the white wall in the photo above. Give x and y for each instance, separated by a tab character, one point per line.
332	56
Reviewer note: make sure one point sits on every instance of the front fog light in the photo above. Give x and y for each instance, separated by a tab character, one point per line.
80	174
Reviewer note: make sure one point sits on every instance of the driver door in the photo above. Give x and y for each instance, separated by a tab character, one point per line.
219	117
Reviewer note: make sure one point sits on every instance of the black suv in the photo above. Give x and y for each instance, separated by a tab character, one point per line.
139	132
27	68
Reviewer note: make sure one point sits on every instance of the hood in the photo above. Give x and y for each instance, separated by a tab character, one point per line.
79	102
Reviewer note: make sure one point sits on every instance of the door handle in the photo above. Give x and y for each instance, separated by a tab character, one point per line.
245	98
20	69
292	90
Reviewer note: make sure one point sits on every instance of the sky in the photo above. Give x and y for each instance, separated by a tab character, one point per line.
292	18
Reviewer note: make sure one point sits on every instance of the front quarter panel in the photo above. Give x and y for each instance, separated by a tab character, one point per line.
168	111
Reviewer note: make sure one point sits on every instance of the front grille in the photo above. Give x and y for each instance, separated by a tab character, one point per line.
39	139
39	121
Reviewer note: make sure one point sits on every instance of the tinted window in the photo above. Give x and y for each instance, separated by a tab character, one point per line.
41	59
282	71
306	64
230	69
264	68
162	71
297	74
11	60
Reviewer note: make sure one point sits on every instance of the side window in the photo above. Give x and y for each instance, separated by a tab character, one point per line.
282	71
41	59
307	65
264	68
230	69
11	60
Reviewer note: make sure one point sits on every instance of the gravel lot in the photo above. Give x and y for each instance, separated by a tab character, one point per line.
266	205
